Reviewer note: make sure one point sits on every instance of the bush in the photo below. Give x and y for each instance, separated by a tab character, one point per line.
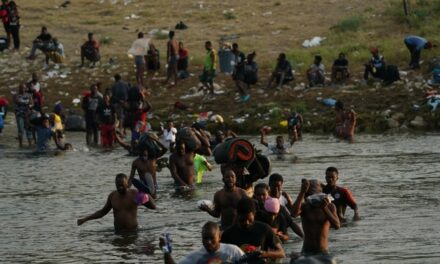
352	23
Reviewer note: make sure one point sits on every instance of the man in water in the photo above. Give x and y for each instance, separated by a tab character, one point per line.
317	215
345	122
342	196
212	252
252	235
182	167
226	201
44	135
146	168
279	147
124	202
172	52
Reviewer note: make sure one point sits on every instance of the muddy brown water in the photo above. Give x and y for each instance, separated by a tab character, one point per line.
395	179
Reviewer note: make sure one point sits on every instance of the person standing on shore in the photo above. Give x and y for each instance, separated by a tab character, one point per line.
208	75
11	22
172	54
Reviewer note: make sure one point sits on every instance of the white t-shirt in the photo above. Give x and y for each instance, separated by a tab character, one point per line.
227	253
169	137
285	150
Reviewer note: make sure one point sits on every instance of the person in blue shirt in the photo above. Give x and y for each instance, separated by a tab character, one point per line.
415	44
45	134
283	72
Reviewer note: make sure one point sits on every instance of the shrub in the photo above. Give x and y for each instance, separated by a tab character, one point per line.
352	23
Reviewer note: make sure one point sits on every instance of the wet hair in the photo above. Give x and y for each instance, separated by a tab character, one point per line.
120	176
245	206
261	185
331	169
339	105
117	77
140	35
208	226
171	34
275	177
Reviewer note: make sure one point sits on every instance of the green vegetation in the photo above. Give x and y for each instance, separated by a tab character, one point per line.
229	15
352	23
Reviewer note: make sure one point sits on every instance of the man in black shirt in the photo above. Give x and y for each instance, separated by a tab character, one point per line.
251	235
43	42
340	69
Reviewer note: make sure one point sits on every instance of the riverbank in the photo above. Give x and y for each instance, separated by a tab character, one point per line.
268	28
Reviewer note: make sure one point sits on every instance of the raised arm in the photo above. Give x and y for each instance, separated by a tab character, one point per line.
331	213
121	142
263	140
98	214
276	253
296	210
132	173
168	259
57	142
216	212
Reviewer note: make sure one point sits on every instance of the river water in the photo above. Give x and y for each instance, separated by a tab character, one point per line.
395	179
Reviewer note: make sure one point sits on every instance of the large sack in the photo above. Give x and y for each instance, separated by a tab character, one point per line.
75	123
188	136
260	166
151	144
235	150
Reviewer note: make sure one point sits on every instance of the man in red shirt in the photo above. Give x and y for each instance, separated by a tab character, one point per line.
342	196
90	50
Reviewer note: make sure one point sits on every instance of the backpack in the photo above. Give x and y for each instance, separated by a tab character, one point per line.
391	75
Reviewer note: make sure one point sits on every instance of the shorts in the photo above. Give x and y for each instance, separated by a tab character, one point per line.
139	61
119	109
207	76
172	61
23	127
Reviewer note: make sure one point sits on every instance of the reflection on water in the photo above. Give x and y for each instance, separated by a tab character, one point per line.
395	180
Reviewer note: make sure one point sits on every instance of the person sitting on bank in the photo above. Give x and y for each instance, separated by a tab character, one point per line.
283	72
376	66
340	72
315	73
56	53
213	250
90	50
152	59
250	75
43	42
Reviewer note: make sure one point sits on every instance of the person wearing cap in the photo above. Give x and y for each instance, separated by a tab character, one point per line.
315	73
415	44
90	50
271	216
124	202
317	217
376	66
226	201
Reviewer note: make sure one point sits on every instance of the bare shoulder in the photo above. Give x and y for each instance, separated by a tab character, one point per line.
242	192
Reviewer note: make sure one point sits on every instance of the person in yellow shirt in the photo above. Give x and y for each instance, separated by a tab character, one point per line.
209	67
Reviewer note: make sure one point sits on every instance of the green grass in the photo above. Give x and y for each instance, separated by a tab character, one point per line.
229	15
352	23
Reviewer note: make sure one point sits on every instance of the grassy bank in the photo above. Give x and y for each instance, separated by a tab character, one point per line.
268	27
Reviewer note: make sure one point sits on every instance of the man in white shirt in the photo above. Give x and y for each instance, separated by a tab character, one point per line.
212	251
279	147
169	136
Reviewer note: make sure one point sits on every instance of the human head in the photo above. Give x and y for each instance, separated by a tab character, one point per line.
180	148
339	106
211	237
170	124
45	121
93	89
219	136
314	188
261	192
342	55
229	179
251	56
281	57
34	77
140	35
171	34
272	205
331	176
180	45
21	88
90	36
245	213
121	182
58	108
208	45
117	77
318	59
55	41
428	45
280	141
234	46
374	51
44	29
275	184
